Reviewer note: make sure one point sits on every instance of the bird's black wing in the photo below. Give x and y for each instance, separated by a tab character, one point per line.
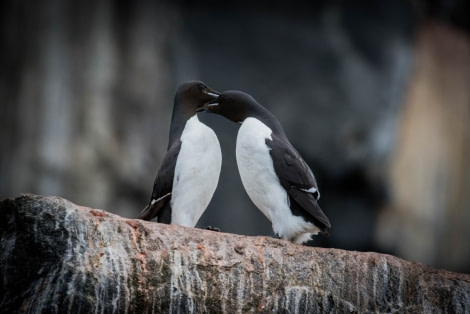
297	179
159	204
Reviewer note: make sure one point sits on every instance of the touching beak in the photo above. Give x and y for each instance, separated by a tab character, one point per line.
214	94
209	105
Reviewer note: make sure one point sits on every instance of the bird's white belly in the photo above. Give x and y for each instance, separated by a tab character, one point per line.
196	173
260	180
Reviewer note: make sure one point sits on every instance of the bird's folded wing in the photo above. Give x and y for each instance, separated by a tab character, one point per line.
308	202
296	177
163	184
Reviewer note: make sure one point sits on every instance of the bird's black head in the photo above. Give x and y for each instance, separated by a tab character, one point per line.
194	94
234	105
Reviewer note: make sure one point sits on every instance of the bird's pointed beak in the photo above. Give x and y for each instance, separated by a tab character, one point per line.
210	92
209	105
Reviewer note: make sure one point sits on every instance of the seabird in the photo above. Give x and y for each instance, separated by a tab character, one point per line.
278	181
189	173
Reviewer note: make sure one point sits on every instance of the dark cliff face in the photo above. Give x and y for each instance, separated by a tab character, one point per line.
86	92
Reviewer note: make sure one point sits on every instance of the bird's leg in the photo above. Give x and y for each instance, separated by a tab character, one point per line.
213	228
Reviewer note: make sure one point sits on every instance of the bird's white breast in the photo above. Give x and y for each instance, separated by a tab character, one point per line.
260	180
196	173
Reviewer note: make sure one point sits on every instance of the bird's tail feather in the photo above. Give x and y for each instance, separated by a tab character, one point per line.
145	213
158	207
310	207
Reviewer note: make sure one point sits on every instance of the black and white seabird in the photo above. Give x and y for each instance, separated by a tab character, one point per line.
277	180
189	173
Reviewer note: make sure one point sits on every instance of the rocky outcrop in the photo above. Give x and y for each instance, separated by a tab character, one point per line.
59	257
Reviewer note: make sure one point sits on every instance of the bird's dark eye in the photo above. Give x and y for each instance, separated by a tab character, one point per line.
202	86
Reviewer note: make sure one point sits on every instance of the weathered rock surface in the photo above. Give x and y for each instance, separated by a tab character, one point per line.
59	257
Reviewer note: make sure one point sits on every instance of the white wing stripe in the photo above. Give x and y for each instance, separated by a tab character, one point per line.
312	190
160	198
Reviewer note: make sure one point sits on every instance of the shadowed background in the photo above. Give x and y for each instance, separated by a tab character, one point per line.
374	94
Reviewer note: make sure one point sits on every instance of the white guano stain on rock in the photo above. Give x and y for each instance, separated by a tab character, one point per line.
294	294
240	288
